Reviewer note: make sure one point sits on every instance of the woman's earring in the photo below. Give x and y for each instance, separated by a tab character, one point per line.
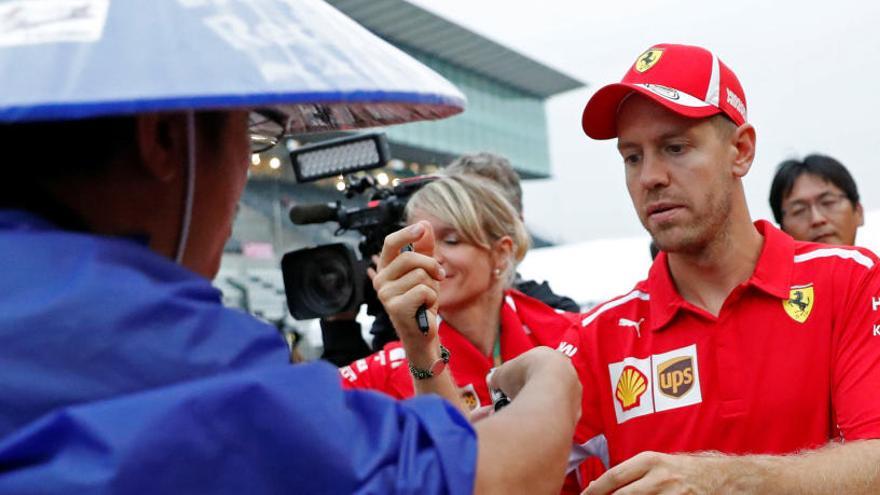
497	272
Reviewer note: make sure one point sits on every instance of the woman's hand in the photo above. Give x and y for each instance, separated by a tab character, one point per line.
406	281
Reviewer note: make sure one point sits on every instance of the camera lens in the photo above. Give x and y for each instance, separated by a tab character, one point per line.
323	281
326	281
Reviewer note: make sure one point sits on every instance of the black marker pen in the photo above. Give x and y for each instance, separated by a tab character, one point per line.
499	398
422	312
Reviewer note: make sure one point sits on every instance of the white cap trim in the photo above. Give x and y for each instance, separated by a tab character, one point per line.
713	92
675	96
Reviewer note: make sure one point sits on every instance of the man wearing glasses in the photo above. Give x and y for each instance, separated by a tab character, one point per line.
816	200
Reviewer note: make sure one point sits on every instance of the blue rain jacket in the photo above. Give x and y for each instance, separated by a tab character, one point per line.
121	372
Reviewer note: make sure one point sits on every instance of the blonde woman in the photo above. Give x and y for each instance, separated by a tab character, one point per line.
471	239
467	242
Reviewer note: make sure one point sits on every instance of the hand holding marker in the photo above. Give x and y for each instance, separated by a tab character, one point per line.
499	398
422	312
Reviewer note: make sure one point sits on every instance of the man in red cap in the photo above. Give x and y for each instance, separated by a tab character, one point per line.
746	362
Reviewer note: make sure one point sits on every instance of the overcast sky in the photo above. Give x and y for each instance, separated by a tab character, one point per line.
809	70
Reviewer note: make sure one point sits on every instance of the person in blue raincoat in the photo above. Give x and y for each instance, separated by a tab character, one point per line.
123	373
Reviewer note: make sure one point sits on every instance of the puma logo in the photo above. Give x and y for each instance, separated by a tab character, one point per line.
629	323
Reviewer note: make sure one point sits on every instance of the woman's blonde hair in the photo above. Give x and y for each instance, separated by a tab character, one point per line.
477	209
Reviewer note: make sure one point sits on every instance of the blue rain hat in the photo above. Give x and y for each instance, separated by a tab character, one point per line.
78	59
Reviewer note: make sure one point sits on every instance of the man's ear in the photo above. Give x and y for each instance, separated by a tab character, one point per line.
743	141
162	143
860	214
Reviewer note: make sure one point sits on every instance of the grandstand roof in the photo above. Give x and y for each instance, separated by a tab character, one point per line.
408	25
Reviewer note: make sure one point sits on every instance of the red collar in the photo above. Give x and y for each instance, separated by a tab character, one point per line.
525	323
772	275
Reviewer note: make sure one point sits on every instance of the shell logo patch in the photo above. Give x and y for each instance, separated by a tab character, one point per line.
799	303
630	384
648	59
630	388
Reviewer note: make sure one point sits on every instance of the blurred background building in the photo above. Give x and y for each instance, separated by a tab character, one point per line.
506	94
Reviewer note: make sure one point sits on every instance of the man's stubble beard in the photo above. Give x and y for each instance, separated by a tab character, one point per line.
707	228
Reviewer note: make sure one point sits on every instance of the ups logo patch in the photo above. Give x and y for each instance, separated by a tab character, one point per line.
676	376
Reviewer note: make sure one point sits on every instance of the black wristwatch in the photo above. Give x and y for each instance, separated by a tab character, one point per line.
435	369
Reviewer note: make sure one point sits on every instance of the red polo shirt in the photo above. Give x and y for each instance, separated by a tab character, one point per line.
791	361
525	323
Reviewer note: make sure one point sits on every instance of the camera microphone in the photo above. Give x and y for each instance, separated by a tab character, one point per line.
316	213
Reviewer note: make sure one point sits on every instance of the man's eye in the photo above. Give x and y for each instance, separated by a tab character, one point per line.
796	212
631	159
675	148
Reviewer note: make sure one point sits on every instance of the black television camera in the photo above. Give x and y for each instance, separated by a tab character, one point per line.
331	279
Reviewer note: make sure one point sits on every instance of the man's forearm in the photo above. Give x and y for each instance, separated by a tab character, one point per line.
852	468
524	448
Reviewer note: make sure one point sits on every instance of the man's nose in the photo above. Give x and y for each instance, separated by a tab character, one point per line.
817	216
654	172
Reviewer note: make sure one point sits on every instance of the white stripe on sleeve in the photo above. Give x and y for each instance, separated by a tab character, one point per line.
849	254
636	294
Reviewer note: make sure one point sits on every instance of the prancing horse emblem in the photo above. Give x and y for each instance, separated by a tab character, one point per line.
799	303
648	59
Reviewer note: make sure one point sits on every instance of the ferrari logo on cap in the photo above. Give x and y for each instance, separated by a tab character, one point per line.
799	302
648	59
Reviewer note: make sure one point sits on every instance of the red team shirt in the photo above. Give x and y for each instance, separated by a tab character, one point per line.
791	361
525	323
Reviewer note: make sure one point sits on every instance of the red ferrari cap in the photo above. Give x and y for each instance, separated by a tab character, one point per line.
689	80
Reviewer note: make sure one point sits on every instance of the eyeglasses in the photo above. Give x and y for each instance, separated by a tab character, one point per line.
826	204
266	128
